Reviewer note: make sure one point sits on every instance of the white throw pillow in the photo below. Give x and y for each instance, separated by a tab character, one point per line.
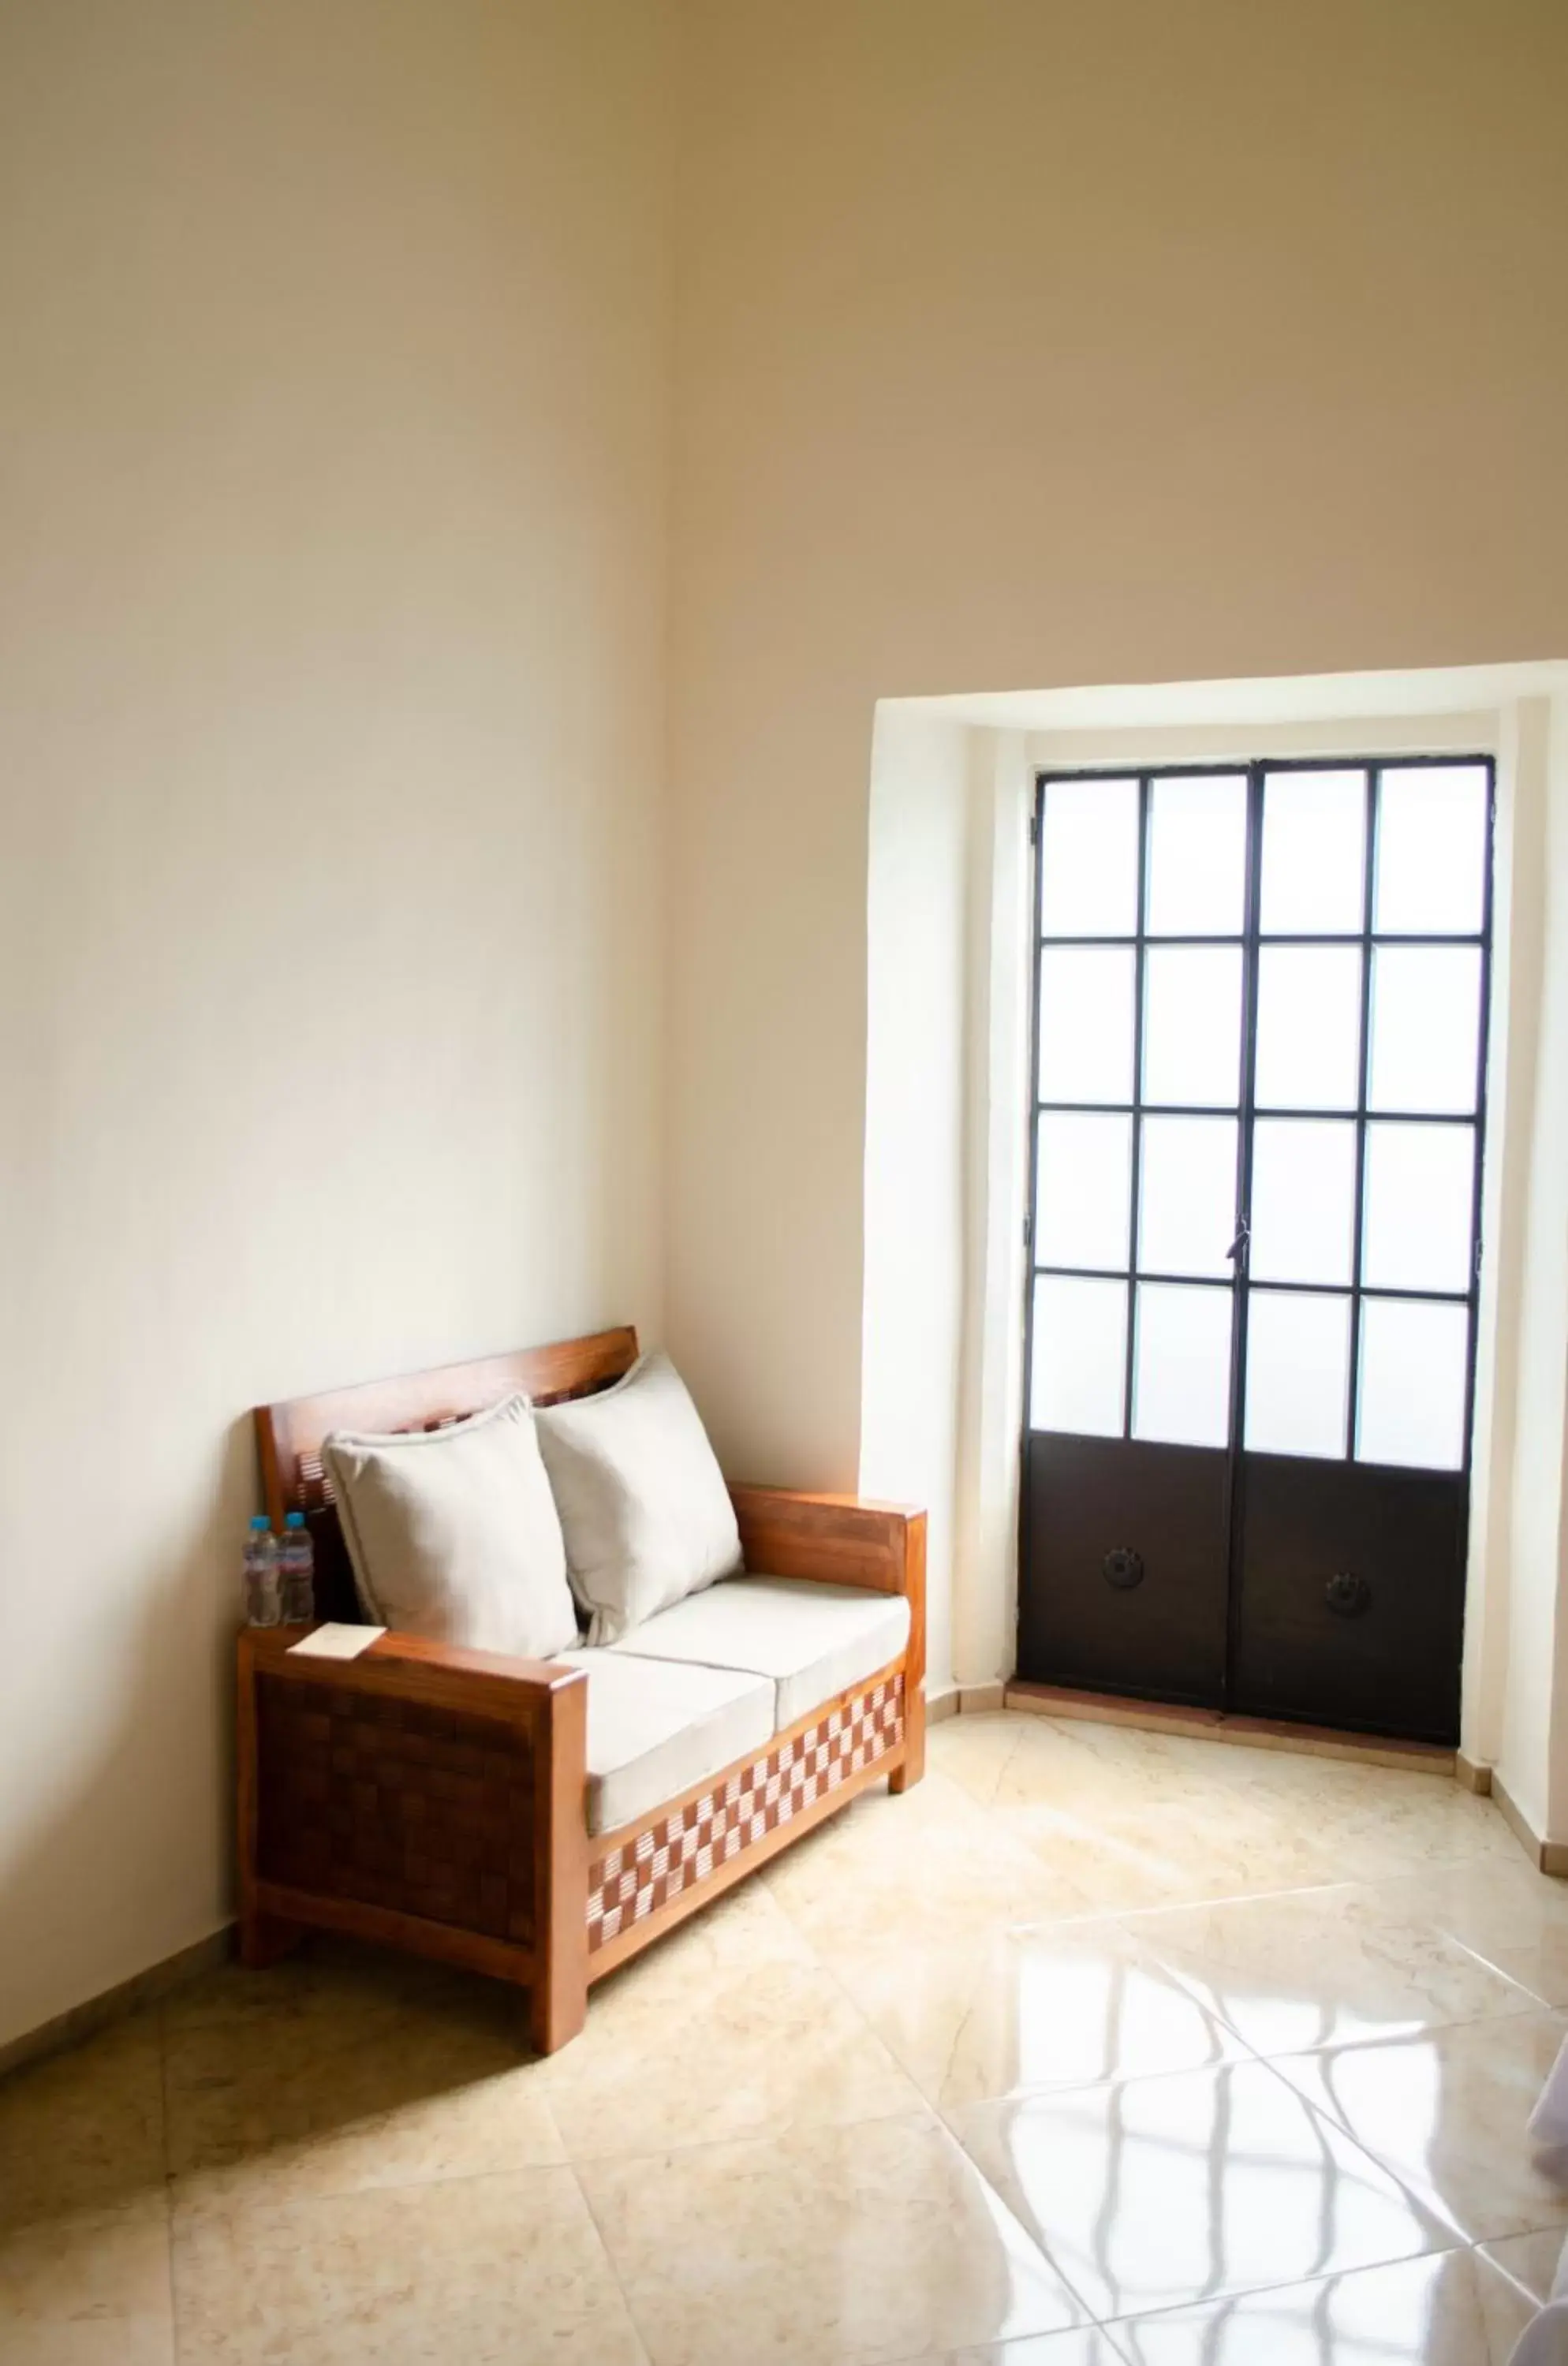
454	1533
642	1501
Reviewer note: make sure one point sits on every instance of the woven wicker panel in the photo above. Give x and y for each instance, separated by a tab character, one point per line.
677	1852
420	1809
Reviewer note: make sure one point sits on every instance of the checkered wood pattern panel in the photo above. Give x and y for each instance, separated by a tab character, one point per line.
677	1852
424	1810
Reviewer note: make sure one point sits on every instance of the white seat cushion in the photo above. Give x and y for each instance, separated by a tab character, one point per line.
657	1726
812	1641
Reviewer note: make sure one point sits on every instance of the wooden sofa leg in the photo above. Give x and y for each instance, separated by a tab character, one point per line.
558	2005
266	1938
557	2010
913	1764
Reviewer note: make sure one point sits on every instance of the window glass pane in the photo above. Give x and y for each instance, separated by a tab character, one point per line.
1080	1356
1082	1175
1315	828
1181	1371
1298	1373
1197	856
1187	1195
1089	858
1192	1025
1415	1230
1410	1396
1426	1018
1309	1026
1086	1024
1303	1200
1431	853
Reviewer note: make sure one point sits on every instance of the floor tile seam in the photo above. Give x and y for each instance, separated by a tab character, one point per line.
1030	2243
931	2118
1487	2244
1006	1765
193	2212
1542	2003
1002	2343
1035	2092
1416	2036
1172	2309
1034	2243
1062	2089
766	2132
1238	1898
1299	1890
160	2033
1200	1994
1557	2227
871	2030
1288	2283
611	2263
1431	2208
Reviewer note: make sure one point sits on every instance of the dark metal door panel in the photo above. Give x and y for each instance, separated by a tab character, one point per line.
1351	1595
1153	1626
1352	902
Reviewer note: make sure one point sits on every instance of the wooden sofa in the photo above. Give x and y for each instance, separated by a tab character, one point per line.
436	1798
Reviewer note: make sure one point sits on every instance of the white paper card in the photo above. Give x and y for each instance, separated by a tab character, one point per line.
333	1641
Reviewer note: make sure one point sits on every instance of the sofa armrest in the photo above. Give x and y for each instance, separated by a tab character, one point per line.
839	1538
843	1540
411	1667
368	1787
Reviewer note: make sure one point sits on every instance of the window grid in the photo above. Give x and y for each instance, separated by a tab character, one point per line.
1251	942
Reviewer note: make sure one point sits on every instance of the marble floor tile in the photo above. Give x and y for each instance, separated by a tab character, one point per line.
1168	1851
474	2270
1377	1822
1049	2005
731	2030
1530	2260
1423	1821
1192	2187
1071	1940
94	2341
1513	1917
1446	2111
84	2129
1325	1966
1450	2310
326	1976
884	1876
835	2247
1102	1769
1086	2345
309	2093
974	1751
88	2288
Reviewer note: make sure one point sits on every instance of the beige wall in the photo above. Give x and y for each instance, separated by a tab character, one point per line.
1016	343
1028	343
913	1217
332	478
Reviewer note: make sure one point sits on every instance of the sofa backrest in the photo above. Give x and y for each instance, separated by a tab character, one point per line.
289	1436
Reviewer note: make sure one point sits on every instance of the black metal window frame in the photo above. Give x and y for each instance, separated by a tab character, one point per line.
1251	942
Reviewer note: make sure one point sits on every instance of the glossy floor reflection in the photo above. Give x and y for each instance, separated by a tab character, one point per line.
1099	2048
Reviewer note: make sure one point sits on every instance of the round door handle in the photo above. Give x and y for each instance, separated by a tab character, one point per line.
1346	1594
1122	1568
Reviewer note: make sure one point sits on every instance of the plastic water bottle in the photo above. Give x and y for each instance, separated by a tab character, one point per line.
296	1571
261	1573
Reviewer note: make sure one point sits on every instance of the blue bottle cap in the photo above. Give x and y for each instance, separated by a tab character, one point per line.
294	1520
260	1520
